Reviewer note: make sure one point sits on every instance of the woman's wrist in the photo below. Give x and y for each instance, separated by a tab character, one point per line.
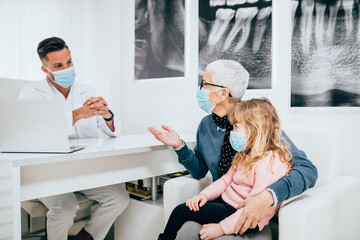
179	145
268	197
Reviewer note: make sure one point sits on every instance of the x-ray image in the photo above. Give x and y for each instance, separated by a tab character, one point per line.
239	30
325	53
159	38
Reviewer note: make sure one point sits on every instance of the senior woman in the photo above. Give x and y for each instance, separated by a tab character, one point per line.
223	85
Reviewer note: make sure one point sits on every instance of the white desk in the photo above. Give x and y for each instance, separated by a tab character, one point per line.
103	162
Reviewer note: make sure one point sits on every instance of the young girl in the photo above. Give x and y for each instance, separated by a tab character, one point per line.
262	158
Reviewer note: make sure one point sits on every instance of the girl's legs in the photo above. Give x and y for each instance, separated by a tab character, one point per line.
211	212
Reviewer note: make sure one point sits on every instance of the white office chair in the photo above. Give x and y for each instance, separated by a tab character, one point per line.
10	88
330	210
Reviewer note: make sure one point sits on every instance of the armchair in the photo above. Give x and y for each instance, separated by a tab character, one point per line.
330	210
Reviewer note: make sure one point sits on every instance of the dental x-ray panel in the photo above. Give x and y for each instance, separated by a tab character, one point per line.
239	30
159	38
325	53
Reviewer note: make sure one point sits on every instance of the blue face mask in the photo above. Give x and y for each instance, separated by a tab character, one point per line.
202	97
238	141
64	78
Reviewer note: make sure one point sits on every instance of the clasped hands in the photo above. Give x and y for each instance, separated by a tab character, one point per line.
94	106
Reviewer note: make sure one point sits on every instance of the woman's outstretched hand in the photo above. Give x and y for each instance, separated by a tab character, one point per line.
169	137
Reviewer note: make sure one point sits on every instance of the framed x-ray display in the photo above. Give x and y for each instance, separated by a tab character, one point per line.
159	38
325	53
240	31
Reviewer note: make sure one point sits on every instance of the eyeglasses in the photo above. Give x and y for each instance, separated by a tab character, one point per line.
203	83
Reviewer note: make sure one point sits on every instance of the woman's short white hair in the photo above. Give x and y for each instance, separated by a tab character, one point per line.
230	74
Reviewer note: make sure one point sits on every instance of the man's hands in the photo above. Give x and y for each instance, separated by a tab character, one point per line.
99	106
255	209
170	137
94	106
193	203
210	231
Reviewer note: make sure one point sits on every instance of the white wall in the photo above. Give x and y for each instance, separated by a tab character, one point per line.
83	24
100	35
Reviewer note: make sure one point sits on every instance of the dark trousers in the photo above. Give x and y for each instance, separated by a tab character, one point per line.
212	212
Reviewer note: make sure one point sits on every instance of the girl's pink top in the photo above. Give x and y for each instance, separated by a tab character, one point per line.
236	186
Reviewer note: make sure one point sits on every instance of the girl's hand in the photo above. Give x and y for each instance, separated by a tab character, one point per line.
193	203
211	231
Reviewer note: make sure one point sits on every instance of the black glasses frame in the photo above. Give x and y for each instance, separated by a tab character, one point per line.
202	83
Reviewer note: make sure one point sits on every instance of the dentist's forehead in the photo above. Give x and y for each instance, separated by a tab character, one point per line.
60	56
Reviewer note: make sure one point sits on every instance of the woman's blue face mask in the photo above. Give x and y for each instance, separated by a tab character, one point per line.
64	78
203	96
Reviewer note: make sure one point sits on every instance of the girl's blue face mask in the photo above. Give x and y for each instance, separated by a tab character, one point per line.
64	78
202	97
238	141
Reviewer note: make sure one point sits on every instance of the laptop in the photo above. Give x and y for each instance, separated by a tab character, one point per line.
34	126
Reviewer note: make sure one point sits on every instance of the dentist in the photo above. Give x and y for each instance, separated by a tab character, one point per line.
85	113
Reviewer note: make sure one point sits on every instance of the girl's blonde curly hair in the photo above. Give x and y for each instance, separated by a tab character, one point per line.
263	132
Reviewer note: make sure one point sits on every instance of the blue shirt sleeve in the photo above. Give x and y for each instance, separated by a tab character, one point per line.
192	160
303	175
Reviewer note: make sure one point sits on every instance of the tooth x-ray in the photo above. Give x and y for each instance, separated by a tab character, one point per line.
239	30
159	38
325	53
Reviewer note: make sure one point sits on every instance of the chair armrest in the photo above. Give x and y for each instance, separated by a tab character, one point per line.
331	211
180	189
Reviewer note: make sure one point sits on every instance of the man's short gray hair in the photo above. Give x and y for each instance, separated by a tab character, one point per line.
230	74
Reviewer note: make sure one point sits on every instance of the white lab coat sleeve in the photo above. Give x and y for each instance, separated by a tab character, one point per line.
70	128
105	129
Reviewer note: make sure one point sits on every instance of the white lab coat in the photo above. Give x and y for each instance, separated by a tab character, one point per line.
84	128
62	208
